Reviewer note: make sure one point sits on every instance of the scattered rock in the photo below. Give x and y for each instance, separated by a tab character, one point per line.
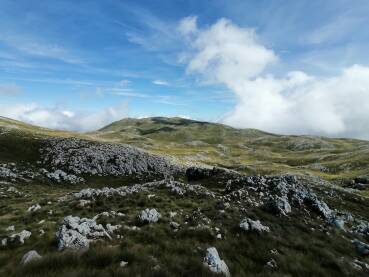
29	257
60	176
214	263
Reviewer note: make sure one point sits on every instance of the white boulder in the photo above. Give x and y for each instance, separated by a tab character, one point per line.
75	233
21	236
149	216
34	208
214	263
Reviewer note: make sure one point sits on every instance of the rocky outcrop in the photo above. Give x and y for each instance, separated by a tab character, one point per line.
278	194
84	157
215	263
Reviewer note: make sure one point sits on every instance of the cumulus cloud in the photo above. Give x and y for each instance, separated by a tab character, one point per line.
63	119
297	103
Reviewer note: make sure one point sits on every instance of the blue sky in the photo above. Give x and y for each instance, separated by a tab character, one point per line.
125	58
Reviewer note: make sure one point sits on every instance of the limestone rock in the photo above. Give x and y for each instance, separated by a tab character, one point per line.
248	224
34	208
214	263
21	236
29	257
149	216
75	233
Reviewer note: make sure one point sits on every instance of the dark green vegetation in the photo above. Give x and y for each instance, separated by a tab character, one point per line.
306	247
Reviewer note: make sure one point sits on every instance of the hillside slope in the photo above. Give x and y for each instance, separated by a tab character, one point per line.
246	150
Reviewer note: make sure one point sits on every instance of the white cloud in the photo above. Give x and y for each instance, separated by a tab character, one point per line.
63	119
160	83
297	103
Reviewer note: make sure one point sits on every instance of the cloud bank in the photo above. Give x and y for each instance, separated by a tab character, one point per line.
64	119
296	103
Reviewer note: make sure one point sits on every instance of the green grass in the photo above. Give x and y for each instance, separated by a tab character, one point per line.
303	252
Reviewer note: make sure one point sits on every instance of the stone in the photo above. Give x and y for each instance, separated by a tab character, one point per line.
248	224
149	216
123	264
82	203
4	242
111	228
75	233
360	265
10	228
272	264
29	257
21	236
361	247
214	263
174	225
34	208
279	206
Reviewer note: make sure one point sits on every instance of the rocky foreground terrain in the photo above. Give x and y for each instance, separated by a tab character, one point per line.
73	206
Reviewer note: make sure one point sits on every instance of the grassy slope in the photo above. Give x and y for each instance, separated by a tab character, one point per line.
247	150
179	253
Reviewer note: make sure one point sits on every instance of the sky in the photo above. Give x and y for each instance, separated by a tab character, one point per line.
283	66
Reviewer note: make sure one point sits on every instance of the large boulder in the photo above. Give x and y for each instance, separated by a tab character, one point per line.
149	216
215	263
29	257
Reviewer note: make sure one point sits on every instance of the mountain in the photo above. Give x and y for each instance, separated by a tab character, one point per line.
177	197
